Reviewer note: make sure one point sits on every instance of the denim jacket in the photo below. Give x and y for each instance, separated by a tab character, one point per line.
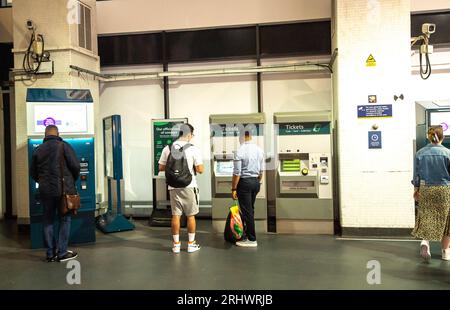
431	166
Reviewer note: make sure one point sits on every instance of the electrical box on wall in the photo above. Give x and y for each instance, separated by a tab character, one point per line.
46	67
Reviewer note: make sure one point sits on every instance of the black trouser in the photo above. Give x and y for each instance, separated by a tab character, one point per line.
247	189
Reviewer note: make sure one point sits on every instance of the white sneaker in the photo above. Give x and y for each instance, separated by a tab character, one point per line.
193	247
247	243
425	250
446	254
176	247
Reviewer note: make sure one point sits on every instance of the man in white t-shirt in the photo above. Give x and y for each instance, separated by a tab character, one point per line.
186	199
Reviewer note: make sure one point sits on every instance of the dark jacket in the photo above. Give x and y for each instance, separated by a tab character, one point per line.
45	167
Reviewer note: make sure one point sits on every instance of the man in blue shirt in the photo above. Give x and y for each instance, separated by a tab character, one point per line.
247	175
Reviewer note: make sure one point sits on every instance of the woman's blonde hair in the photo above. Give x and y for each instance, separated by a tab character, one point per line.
435	134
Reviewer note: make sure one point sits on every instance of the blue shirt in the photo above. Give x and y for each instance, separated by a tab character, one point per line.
431	166
248	161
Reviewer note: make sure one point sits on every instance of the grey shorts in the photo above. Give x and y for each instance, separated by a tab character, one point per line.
184	200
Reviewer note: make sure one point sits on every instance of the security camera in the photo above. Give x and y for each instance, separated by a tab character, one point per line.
30	24
428	28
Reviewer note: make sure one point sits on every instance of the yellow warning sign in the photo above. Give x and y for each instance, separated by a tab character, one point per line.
370	62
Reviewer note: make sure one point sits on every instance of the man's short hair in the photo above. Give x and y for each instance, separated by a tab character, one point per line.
247	133
51	130
185	129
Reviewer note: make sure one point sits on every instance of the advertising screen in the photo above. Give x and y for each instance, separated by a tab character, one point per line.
68	117
165	132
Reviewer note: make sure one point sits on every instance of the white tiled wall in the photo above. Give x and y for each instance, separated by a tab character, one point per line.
375	188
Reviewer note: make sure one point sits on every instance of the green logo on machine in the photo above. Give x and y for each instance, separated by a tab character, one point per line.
293	129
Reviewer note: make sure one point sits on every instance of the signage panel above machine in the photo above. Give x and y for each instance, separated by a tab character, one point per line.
70	109
310	128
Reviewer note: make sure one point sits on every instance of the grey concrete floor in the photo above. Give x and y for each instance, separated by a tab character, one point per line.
142	259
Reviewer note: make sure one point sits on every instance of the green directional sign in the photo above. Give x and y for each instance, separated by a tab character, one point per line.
313	128
164	132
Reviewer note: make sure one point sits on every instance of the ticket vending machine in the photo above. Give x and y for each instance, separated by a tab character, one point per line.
225	140
72	111
304	202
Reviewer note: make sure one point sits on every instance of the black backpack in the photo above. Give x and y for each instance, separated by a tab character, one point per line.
177	170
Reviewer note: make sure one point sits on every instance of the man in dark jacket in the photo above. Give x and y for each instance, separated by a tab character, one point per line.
46	171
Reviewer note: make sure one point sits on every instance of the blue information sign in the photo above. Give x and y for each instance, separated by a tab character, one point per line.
381	110
374	139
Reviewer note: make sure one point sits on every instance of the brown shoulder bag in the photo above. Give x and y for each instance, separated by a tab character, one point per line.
70	203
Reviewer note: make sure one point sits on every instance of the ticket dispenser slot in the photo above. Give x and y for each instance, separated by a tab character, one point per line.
296	177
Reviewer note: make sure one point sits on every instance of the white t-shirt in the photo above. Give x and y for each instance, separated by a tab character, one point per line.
193	157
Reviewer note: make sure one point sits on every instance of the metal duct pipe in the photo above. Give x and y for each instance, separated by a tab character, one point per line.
281	68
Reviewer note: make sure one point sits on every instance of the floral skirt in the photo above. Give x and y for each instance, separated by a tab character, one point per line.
432	220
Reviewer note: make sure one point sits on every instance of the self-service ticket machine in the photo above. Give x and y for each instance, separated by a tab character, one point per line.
72	111
225	140
304	202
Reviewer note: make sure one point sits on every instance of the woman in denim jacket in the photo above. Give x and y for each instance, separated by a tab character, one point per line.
432	191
